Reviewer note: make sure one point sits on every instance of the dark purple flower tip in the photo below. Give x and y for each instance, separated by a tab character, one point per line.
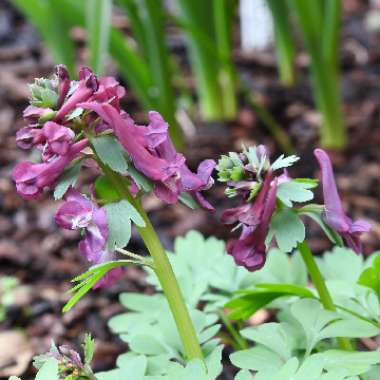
59	138
89	78
27	137
87	86
109	91
63	83
76	212
335	216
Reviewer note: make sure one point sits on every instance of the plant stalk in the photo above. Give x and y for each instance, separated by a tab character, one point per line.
321	287
163	270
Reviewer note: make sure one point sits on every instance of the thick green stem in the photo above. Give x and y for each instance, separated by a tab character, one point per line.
163	271
321	287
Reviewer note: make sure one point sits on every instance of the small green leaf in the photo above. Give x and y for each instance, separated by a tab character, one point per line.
284	162
119	216
105	191
110	152
88	348
49	371
370	277
67	179
288	229
294	191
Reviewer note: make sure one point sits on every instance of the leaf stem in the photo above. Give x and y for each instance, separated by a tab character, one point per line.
320	285
163	270
241	343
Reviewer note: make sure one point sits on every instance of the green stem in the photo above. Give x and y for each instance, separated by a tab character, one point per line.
163	271
241	343
321	287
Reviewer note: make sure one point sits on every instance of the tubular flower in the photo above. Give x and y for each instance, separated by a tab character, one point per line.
334	215
78	212
58	138
153	153
32	178
28	137
85	88
250	250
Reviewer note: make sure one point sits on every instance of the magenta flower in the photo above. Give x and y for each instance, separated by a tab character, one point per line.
32	178
250	250
58	138
153	153
78	212
32	114
86	87
28	137
335	216
63	84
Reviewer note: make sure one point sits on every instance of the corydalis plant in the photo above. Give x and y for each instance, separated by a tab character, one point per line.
80	123
267	211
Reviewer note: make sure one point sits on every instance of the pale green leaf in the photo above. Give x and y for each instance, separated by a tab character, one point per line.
288	229
110	152
67	179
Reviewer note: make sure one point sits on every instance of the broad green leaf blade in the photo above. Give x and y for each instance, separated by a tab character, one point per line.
110	152
370	277
249	301
243	375
119	216
49	371
67	179
288	229
294	191
98	22
258	358
105	191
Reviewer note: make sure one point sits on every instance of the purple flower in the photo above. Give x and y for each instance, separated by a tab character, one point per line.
27	137
79	212
153	153
63	83
86	87
335	216
32	178
250	250
33	114
58	138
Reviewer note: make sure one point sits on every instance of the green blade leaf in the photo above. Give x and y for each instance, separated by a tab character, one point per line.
98	22
288	229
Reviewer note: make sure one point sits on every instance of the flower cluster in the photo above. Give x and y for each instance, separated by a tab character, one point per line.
62	119
251	177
